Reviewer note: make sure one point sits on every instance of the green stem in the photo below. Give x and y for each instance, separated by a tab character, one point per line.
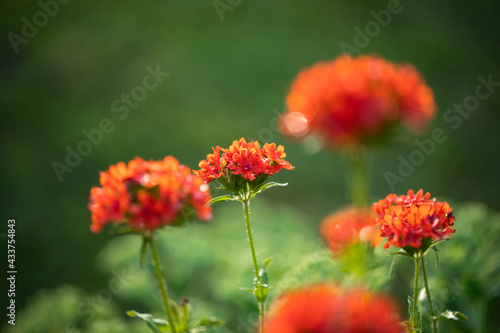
261	310
161	283
246	205
428	293
359	183
414	319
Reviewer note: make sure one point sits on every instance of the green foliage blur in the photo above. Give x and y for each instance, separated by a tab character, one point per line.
228	75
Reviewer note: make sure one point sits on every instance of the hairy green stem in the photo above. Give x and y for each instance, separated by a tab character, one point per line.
261	310
428	293
246	205
414	319
161	283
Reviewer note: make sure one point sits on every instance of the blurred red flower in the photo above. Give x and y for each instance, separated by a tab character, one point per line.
325	308
148	195
243	158
349	100
408	220
347	227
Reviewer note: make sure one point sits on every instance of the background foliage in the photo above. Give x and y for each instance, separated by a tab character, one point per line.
227	79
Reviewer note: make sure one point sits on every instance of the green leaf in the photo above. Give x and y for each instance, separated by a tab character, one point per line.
267	262
258	181
393	263
250	290
261	291
437	257
175	311
453	315
263	276
222	198
156	325
226	184
432	245
185	312
264	187
415	323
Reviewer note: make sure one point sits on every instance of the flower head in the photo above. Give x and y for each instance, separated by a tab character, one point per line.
325	308
349	100
347	227
412	221
148	195
243	158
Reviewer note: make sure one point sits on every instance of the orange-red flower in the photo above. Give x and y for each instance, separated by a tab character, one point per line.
325	308
409	220
243	158
349	100
347	227
148	195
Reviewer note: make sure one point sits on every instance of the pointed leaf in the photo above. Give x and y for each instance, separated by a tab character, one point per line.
250	290
264	187
267	262
437	257
433	245
225	183
415	323
263	276
185	314
222	198
175	311
453	315
393	264
261	291
156	325
258	181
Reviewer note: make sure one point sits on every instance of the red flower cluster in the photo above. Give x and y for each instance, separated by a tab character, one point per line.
325	308
407	220
351	99
244	158
347	227
147	194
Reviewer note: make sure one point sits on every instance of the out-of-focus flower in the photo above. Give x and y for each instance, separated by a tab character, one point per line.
243	158
347	227
325	308
413	220
349	100
148	195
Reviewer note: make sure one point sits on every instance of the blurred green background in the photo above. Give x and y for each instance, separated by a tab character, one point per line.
228	74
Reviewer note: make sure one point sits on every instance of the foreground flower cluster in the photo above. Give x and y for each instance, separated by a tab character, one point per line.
243	158
349	100
409	220
148	195
326	308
